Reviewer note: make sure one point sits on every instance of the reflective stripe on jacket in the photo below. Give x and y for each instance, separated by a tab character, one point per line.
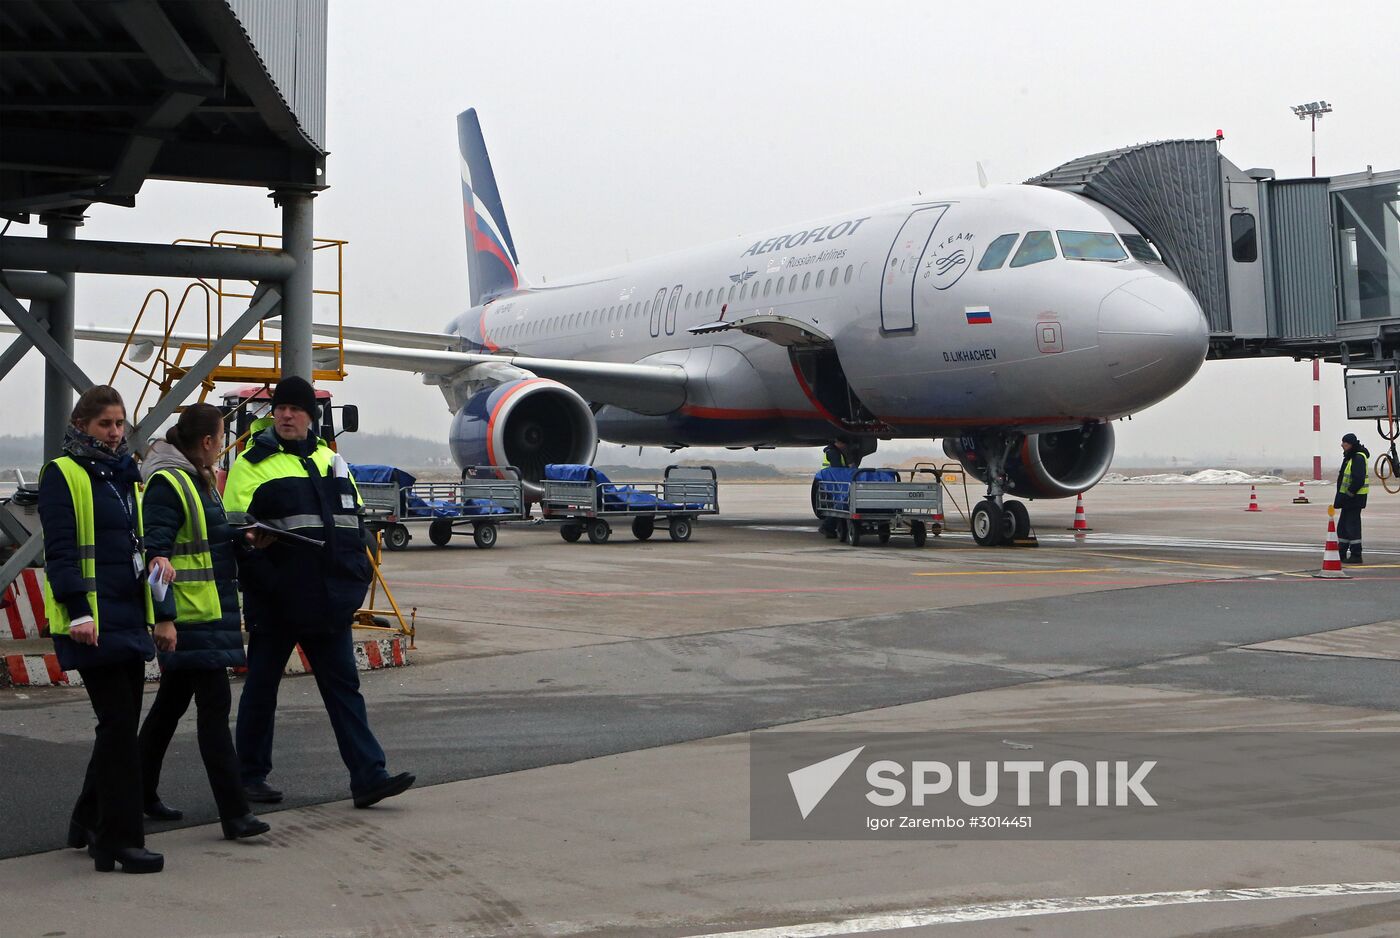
79	484
196	593
292	486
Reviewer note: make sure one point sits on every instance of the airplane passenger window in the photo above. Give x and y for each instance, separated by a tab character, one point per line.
831	280
1244	245
743	291
709	297
767	286
1037	246
1141	249
780	285
1091	246
821	275
806	279
731	292
850	269
997	251
792	283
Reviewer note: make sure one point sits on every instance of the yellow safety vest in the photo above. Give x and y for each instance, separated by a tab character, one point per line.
196	592
1365	486
80	490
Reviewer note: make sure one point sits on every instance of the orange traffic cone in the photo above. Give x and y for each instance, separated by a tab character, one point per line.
1253	500
1331	555
1081	525
1302	498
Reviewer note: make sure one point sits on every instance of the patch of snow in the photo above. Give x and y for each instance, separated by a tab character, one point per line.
1203	477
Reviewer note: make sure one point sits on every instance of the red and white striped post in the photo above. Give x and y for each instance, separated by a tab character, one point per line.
1317	420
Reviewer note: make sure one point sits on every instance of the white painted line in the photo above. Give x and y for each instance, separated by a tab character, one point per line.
1020	908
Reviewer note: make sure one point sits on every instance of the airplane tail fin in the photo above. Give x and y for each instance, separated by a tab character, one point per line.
491	256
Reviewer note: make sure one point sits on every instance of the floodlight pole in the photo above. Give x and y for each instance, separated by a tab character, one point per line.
1313	135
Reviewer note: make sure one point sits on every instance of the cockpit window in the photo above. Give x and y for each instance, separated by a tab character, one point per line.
1141	249
1091	246
996	252
1036	247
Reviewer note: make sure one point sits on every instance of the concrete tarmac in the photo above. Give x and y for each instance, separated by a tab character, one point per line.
578	715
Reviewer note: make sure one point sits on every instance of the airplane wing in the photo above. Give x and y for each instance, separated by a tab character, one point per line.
643	388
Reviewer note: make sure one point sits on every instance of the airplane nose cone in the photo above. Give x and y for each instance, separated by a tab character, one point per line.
1153	338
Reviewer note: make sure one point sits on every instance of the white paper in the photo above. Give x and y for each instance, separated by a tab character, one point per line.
158	585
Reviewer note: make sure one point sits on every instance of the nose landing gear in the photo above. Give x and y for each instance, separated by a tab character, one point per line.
995	520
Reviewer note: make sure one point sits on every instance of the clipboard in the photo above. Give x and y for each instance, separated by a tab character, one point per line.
280	534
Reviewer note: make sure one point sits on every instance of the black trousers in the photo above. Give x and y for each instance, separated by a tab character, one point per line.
209	690
1349	530
110	803
332	659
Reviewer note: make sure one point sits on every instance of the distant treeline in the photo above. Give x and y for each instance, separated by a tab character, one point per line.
21	452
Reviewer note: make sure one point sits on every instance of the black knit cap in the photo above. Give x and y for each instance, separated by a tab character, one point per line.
1351	438
297	392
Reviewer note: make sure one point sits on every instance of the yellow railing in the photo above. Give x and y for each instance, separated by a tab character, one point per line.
257	358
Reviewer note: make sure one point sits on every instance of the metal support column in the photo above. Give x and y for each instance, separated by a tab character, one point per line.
297	304
58	391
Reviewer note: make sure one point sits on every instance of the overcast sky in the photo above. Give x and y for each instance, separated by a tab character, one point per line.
626	130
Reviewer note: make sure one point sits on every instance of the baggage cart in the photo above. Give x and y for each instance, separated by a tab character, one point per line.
485	498
588	502
882	503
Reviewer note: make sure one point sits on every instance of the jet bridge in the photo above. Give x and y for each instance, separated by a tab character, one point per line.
1308	268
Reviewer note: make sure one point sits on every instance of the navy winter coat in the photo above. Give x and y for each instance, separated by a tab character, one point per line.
122	632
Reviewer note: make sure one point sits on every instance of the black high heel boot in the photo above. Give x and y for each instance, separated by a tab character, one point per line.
78	835
160	811
249	825
132	859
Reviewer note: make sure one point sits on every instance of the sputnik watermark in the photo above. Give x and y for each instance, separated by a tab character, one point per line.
1076	786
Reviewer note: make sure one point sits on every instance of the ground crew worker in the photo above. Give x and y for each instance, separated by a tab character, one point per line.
99	612
837	454
296	593
199	632
1352	487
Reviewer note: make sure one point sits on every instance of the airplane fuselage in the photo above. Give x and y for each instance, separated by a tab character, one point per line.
891	321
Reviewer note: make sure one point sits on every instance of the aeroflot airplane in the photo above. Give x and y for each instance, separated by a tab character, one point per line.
1014	322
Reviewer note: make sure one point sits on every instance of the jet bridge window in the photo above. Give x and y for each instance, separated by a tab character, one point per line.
1141	249
1244	244
1037	246
1091	246
997	251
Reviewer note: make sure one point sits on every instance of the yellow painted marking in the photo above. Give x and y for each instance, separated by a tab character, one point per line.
1188	563
1006	572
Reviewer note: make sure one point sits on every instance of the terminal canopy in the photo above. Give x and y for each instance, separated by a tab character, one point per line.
98	96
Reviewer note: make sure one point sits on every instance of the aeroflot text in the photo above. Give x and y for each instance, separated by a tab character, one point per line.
1109	783
799	238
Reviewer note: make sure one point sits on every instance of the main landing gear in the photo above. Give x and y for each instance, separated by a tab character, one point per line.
995	519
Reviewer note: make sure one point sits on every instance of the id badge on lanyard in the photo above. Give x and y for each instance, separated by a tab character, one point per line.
138	562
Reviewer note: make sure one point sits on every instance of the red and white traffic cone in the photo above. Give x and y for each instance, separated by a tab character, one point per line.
1331	554
1081	525
1253	500
1302	498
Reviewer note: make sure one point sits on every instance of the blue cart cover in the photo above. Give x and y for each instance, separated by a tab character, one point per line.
615	497
415	506
835	482
367	473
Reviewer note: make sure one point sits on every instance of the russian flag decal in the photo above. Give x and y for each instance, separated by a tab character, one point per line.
979	315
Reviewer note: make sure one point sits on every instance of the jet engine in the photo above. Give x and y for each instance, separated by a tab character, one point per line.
1044	465
526	423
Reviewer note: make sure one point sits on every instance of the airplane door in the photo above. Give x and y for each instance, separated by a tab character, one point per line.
897	284
671	310
656	305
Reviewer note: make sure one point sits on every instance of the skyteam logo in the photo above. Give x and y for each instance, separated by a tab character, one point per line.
946	261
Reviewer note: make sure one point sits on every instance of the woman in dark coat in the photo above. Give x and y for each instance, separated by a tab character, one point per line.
98	609
197	622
